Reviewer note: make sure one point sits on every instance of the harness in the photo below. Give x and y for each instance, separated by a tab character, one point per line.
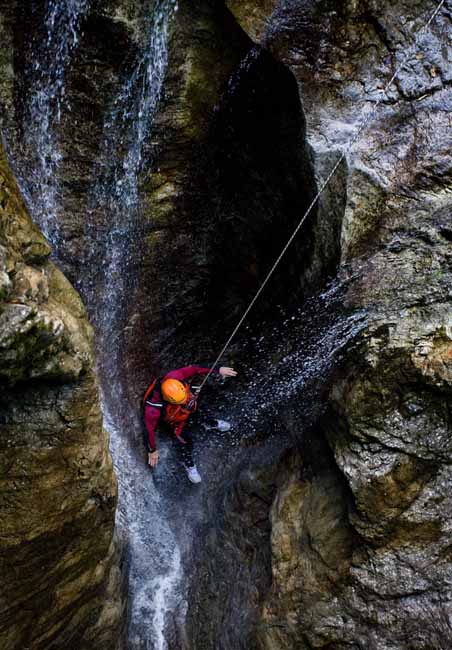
178	413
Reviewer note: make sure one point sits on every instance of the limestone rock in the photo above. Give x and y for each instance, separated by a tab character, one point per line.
58	566
44	332
254	17
360	551
311	545
389	422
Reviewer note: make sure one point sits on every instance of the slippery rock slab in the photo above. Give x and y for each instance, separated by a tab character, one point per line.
58	560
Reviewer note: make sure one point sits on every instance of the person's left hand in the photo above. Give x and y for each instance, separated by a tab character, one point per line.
227	372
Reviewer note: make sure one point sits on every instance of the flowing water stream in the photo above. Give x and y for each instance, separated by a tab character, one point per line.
46	101
115	193
153	555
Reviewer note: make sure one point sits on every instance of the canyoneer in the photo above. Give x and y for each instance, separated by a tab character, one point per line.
170	400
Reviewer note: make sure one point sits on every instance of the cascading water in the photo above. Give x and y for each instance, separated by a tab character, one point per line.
154	559
314	338
295	358
41	151
114	198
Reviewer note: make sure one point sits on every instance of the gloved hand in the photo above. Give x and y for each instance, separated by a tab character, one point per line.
227	372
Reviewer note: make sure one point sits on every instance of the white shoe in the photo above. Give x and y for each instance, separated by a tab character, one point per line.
217	425
193	475
223	426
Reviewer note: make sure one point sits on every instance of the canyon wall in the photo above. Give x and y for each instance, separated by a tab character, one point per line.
360	545
59	561
335	534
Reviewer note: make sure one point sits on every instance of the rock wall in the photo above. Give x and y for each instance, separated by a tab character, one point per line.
59	564
361	549
359	541
219	190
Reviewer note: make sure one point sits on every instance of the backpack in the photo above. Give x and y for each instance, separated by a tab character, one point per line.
155	383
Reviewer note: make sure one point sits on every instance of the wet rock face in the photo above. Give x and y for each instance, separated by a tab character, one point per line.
193	163
226	192
43	323
226	171
216	192
232	568
90	72
59	565
359	543
389	423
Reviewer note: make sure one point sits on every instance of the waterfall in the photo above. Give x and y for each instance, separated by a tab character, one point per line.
51	57
157	511
114	198
154	559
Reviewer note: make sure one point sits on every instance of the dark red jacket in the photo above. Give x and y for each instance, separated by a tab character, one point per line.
152	414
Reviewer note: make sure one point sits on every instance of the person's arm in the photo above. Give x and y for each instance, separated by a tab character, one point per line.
151	418
183	374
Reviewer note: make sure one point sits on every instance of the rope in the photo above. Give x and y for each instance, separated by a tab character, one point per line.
346	151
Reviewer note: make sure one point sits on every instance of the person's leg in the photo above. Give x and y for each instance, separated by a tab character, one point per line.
214	423
185	447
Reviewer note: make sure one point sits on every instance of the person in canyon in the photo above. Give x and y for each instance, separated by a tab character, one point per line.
170	400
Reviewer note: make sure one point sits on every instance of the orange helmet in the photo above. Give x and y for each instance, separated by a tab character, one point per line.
174	391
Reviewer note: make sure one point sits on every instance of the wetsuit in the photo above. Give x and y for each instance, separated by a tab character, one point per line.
156	410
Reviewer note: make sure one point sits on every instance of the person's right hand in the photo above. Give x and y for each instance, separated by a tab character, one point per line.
153	458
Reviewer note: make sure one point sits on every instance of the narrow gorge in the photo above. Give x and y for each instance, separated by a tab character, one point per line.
156	157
